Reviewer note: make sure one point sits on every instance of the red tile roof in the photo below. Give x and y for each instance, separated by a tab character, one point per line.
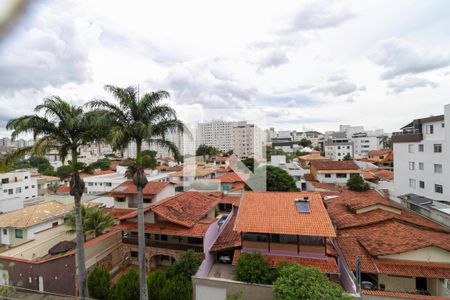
390	295
117	212
228	238
379	152
371	174
325	186
128	188
334	165
276	212
197	230
237	186
235	200
186	208
64	189
232	177
326	265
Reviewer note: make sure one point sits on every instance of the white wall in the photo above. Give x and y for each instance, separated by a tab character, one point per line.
333	179
20	185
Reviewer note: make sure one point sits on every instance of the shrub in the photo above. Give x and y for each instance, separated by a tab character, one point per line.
99	283
356	183
156	282
177	288
186	266
299	282
252	268
127	287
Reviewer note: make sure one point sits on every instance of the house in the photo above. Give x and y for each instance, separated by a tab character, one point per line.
382	157
16	189
19	226
422	157
125	195
43	182
232	181
167	161
305	160
338	146
337	172
286	226
173	225
399	250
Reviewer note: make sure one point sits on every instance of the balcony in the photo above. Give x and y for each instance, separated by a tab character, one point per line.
400	137
164	245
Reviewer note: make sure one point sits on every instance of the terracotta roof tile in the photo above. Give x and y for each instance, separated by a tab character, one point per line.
379	152
235	200
388	294
326	265
117	212
334	165
128	188
228	238
237	186
197	230
325	187
64	189
276	212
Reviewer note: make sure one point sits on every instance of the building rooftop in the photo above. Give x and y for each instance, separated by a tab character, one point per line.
330	165
33	215
228	237
128	188
277	212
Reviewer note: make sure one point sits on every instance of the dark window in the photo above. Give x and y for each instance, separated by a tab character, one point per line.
311	240
5	180
5	231
437	148
283	238
341	175
194	240
420	147
438	188
54	224
163	237
120	199
327	175
255	237
133	253
19	233
422	184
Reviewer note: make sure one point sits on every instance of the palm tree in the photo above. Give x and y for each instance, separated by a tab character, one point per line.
140	120
58	125
95	221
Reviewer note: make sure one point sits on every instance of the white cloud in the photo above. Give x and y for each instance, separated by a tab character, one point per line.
407	83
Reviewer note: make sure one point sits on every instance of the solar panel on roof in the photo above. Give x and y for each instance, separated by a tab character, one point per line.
303	206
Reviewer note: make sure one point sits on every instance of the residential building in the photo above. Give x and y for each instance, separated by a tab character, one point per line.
217	134
305	160
19	226
16	188
248	140
364	143
429	208
290	226
43	182
400	252
338	146
383	158
173	225
125	195
337	172
422	157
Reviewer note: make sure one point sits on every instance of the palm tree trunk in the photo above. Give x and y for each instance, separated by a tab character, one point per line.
76	190
141	245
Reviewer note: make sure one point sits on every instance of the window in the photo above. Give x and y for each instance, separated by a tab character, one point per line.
90	183
411	165
341	175
108	184
420	147
19	234
10	191
5	180
5	231
437	148
134	254
194	240
26	177
438	188
18	190
412	183
54	224
411	148
163	237
255	237
421	166
429	129
26	187
437	168
422	184
327	175
442	125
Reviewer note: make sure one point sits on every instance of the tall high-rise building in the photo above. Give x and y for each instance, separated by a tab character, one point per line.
218	134
248	140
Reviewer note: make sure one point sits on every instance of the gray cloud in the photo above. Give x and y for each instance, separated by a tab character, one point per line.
273	59
399	57
403	84
319	15
48	50
340	85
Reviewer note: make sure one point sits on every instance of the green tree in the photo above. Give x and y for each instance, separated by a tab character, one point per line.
99	283
127	287
139	120
305	142
235	296
356	183
58	125
156	282
54	186
250	163
277	180
149	162
186	266
177	288
252	268
151	153
102	164
64	172
300	282
348	157
95	221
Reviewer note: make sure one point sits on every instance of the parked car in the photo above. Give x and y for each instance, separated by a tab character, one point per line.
225	259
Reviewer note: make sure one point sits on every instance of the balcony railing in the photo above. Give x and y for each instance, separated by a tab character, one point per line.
164	245
400	137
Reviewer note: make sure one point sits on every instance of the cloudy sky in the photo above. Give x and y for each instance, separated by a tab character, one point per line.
286	64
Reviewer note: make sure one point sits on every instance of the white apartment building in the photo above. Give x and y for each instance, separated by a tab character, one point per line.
15	188
363	143
218	134
248	140
422	157
338	146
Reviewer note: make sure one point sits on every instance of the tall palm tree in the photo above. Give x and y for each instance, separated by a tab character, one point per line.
95	221
58	125
140	120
